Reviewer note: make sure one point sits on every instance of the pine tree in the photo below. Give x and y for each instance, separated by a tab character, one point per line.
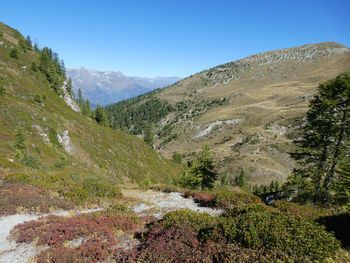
28	43
149	134
343	184
277	186
14	53
34	67
87	108
323	136
80	98
100	115
70	87
200	172
36	47
242	180
205	168
272	186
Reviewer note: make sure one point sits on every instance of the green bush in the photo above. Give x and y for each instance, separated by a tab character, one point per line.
195	220
30	161
37	98
2	89
14	53
261	227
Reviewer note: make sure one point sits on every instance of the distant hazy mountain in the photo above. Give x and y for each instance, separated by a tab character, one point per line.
105	87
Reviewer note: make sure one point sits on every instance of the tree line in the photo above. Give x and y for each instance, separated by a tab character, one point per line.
132	116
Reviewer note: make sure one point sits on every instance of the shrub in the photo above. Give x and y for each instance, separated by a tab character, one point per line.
179	238
261	227
14	53
37	98
30	160
29	199
222	199
2	89
300	211
55	230
195	220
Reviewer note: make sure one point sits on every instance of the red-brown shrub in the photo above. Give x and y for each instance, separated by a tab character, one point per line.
29	198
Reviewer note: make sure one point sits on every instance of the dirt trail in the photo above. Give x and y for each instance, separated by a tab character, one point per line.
146	203
157	204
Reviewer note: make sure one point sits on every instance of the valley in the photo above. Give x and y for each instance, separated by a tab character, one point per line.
246	110
199	171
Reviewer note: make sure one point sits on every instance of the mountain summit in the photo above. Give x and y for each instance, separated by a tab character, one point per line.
105	87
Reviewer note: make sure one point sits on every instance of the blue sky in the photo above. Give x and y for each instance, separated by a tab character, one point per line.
173	38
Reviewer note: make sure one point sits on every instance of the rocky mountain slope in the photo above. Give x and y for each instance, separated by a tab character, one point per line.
247	109
63	150
106	87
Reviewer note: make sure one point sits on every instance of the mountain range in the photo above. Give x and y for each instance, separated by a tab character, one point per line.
246	110
106	87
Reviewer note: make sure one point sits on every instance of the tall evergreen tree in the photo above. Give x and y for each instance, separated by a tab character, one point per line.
14	53
343	184
100	115
80	98
70	87
323	136
149	134
242	180
29	42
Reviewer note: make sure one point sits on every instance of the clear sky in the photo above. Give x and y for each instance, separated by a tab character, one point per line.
173	38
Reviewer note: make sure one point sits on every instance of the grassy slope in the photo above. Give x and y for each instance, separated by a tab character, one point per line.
97	152
269	97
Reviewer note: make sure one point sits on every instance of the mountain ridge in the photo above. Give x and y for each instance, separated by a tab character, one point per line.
105	87
247	109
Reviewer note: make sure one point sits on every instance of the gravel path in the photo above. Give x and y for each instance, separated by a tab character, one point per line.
10	251
150	203
157	204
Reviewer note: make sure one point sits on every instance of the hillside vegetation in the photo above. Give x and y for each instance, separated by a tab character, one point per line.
247	110
45	143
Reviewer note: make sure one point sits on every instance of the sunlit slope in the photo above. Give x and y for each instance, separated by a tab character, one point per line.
63	141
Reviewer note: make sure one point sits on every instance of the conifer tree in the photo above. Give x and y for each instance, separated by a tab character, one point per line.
242	180
34	67
80	98
100	115
149	134
28	43
343	184
323	137
277	186
14	53
70	86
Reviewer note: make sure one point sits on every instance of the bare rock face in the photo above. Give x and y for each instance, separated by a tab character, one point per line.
65	141
68	99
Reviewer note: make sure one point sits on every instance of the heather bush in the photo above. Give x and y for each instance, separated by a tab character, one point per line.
301	211
222	199
55	230
76	189
246	233
29	199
